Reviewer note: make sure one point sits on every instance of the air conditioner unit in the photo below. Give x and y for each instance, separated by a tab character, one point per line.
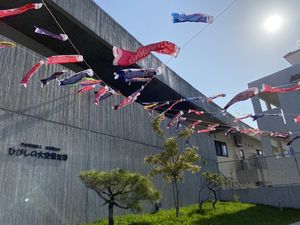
237	140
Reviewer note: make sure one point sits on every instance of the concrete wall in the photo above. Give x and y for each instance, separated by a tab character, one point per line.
288	102
49	192
286	196
243	172
282	170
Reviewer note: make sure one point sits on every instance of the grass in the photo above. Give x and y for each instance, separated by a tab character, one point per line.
226	213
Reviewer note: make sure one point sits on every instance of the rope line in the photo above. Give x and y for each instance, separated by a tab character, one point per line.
203	29
76	49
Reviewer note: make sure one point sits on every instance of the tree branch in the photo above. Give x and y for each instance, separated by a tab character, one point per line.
105	193
107	201
121	192
101	196
120	206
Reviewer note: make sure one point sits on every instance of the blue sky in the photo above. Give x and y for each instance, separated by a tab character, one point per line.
230	53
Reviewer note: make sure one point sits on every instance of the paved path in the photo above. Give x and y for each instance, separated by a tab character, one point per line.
298	223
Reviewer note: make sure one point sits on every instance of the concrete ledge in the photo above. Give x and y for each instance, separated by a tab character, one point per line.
279	196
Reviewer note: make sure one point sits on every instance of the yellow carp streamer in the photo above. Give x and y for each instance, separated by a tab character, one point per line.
6	44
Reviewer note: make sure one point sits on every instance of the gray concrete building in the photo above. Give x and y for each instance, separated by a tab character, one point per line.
284	168
35	121
277	169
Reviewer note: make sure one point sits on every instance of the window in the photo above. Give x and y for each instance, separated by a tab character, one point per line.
259	152
264	105
221	148
237	140
242	155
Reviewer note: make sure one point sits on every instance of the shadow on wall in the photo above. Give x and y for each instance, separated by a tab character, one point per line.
21	125
12	125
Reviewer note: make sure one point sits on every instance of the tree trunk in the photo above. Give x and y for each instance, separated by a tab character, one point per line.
111	213
215	200
200	203
177	198
174	194
215	196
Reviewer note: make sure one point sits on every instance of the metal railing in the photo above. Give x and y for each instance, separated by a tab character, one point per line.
257	171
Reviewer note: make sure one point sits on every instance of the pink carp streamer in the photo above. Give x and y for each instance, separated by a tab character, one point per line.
214	97
100	93
90	81
252	131
130	99
171	106
232	130
210	128
199	113
20	10
193	125
283	135
269	89
175	119
236	120
63	59
26	78
126	58
249	93
59	59
297	119
86	89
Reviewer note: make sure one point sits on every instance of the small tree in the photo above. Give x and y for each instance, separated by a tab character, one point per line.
120	188
213	182
171	163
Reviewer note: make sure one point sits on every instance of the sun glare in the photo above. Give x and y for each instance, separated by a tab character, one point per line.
273	23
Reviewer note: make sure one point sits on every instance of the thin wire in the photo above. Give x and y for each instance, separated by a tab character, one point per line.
170	101
169	114
204	28
225	129
76	49
73	45
221	114
201	98
70	41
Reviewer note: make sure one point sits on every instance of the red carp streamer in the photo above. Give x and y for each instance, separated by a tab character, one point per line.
126	58
101	92
59	59
297	119
20	10
130	99
193	125
210	128
269	89
86	89
199	113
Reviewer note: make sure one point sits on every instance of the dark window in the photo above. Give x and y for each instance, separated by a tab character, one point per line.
259	152
221	148
237	140
242	155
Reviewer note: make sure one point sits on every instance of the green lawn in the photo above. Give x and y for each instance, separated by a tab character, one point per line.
226	213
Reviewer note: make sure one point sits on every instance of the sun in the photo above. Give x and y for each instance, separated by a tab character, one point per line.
273	23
